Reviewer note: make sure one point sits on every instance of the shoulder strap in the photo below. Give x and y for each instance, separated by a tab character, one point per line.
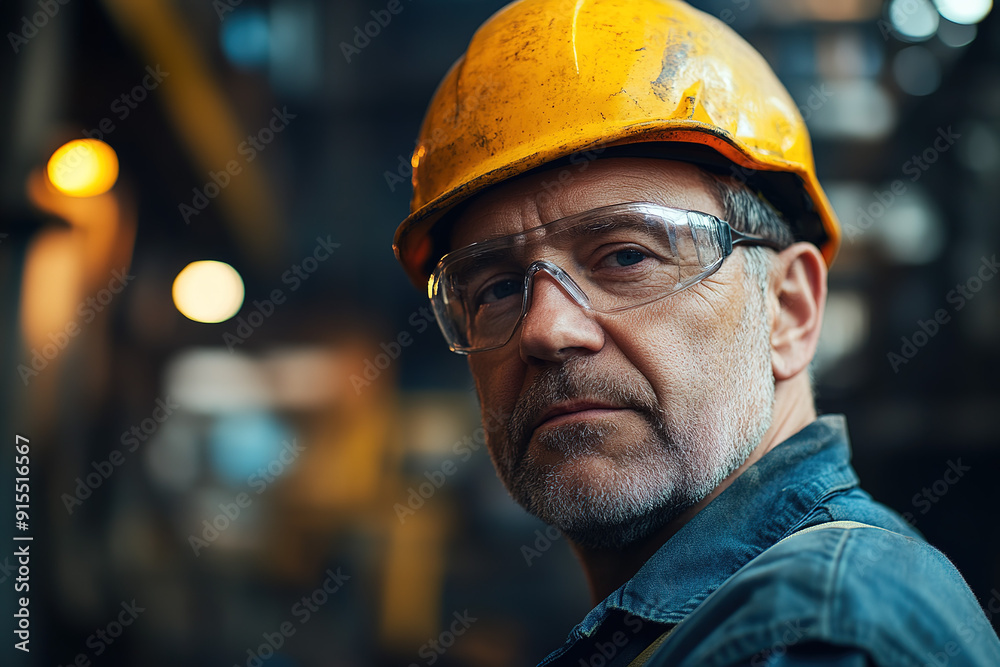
644	657
829	524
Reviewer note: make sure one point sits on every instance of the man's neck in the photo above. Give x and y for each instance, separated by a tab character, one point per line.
607	569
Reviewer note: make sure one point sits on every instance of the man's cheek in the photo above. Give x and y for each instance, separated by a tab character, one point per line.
498	383
661	359
714	305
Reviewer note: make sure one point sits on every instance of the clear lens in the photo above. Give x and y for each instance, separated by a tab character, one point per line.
617	257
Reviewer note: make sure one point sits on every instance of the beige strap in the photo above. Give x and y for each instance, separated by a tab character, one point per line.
644	657
832	524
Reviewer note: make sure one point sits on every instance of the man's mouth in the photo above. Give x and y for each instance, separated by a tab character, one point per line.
577	410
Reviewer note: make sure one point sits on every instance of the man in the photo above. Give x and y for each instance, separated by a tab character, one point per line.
617	216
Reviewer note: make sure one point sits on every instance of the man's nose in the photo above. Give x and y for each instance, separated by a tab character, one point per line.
556	327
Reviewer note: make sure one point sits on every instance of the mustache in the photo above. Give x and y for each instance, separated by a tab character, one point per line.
577	379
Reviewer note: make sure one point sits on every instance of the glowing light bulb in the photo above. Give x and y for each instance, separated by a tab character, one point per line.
83	168
208	291
966	12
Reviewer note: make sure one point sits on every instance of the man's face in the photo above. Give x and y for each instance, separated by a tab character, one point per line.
657	404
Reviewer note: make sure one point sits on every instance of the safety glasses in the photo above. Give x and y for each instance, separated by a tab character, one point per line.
607	260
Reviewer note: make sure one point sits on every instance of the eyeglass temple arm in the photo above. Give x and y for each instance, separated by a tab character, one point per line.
732	237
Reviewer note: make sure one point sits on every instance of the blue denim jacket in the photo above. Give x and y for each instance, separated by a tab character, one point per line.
845	596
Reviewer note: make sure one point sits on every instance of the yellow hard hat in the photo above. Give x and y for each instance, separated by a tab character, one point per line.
546	80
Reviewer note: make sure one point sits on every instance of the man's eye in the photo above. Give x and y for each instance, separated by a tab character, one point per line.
501	289
623	257
629	256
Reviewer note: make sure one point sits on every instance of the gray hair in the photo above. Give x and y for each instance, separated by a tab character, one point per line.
749	213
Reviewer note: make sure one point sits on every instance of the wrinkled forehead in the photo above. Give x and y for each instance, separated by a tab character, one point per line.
542	197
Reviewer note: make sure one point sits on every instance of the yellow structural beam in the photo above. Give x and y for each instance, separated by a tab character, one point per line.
205	121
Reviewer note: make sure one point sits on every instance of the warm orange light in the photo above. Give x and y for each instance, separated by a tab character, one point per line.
52	291
83	168
417	155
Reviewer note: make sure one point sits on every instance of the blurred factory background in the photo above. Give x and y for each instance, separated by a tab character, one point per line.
249	444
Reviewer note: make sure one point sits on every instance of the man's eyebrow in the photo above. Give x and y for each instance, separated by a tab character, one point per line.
602	224
501	254
504	254
517	240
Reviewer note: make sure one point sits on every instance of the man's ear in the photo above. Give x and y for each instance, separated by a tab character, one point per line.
799	285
